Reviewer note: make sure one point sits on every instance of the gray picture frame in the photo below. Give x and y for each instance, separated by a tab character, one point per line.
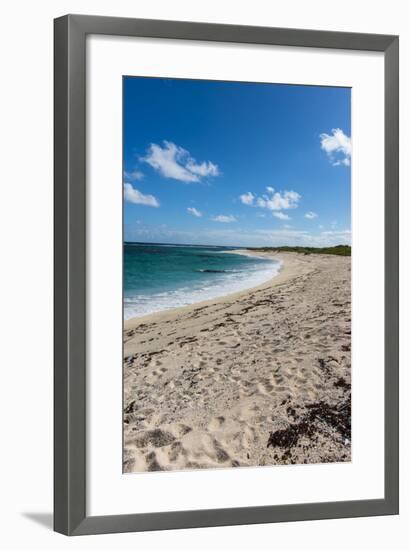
70	353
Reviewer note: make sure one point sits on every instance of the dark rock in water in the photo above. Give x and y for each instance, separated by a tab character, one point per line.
211	270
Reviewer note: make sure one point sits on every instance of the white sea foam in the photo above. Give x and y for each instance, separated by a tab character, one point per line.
138	305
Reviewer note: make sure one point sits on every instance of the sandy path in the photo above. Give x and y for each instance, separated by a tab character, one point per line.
258	377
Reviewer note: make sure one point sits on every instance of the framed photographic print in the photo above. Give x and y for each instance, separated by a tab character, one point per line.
226	275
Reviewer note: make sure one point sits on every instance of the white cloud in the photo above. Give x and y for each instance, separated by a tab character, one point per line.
194	212
295	237
279	200
247	198
281	215
224	219
133	195
311	215
174	162
135	175
338	147
343	162
204	169
337	233
274	201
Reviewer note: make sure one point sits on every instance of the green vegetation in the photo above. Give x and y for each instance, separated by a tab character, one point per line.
339	250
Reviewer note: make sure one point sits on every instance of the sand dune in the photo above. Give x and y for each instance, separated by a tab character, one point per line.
261	377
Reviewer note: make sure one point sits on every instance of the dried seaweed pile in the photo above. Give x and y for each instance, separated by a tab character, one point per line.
317	423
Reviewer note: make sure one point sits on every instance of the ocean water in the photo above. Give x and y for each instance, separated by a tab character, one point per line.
159	277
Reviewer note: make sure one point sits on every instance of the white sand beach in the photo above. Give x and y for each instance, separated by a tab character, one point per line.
259	377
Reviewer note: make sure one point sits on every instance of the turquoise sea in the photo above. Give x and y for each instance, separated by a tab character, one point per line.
158	277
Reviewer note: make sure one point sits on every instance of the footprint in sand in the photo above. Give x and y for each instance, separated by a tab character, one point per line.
154	438
216	423
265	387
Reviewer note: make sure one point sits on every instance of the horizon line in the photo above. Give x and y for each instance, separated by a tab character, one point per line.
235	246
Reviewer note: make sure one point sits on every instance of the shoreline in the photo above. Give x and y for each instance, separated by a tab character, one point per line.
288	262
261	377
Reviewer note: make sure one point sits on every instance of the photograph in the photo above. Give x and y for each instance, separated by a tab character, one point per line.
236	274
206	277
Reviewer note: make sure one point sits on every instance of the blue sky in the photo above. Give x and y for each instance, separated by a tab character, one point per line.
239	164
